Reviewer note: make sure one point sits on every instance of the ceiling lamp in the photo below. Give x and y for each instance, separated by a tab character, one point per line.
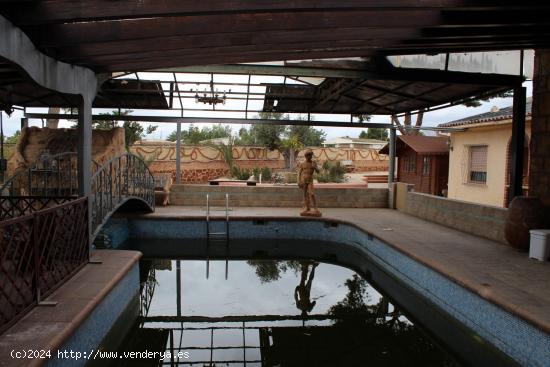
212	97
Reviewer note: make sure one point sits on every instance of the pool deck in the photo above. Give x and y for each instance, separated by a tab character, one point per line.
47	327
490	269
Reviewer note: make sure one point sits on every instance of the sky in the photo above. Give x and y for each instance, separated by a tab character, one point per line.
12	123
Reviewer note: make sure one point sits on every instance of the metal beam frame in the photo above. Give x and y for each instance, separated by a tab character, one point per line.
220	120
390	73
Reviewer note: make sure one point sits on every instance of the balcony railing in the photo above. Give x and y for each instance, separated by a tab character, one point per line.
39	252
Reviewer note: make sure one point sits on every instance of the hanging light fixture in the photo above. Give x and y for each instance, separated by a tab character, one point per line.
211	97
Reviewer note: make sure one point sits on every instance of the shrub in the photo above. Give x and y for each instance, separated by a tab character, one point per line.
266	174
240	174
331	172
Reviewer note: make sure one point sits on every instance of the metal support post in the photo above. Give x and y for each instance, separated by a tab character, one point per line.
391	173
517	143
178	153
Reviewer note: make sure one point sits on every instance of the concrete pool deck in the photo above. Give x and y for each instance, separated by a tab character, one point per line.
78	315
496	272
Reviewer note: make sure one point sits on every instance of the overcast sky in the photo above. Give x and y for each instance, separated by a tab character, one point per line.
12	123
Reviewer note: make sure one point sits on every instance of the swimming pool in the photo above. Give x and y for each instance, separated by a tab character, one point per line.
271	313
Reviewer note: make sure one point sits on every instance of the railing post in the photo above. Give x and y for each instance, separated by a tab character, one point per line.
36	256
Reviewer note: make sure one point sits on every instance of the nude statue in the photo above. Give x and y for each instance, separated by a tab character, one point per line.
305	182
302	293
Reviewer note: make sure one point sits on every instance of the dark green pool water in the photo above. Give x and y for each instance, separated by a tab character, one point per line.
271	313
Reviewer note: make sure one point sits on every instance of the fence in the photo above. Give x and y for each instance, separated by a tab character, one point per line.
38	253
16	206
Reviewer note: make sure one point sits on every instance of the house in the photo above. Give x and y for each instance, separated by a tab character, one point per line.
357	143
480	154
423	161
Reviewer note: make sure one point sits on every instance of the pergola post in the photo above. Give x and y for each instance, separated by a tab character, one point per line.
84	149
178	153
391	172
517	143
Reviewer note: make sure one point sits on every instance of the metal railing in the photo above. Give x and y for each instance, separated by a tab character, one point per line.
57	176
16	206
38	253
217	236
122	178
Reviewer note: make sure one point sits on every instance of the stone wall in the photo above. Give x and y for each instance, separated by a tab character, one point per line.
203	163
106	144
277	196
539	173
480	220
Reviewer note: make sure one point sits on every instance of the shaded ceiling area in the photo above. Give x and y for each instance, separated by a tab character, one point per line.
384	90
128	35
16	88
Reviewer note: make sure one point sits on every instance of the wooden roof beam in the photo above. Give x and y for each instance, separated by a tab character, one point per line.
63	11
79	33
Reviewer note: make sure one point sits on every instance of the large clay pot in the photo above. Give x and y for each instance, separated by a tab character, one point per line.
524	214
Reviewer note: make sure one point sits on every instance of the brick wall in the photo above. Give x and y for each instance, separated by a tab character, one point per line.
480	220
539	175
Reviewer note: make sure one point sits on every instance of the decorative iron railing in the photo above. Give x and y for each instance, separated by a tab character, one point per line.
38	253
16	206
56	175
122	178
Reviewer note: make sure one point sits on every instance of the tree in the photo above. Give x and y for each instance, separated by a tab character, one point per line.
374	133
307	135
362	118
13	139
290	147
478	102
133	130
271	270
194	135
407	128
267	135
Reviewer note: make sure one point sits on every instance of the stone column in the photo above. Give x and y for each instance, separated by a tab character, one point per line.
539	173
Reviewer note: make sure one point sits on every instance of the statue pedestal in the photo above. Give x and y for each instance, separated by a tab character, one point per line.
311	214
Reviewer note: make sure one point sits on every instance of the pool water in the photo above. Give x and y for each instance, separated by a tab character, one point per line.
271	313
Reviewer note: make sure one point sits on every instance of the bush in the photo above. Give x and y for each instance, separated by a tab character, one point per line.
266	174
240	174
331	172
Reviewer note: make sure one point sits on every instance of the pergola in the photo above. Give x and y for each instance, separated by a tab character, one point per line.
63	53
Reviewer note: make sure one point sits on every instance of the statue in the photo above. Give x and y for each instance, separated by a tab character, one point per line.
305	182
302	293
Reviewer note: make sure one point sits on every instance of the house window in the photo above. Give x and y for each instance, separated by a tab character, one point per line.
410	164
426	165
477	172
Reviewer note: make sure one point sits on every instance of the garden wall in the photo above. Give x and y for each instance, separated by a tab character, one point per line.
203	163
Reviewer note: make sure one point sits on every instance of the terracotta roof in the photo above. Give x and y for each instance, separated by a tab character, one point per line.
421	144
498	115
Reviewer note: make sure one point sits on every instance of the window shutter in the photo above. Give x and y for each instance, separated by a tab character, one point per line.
478	159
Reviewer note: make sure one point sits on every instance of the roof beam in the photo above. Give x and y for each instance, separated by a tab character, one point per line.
62	11
216	120
49	73
201	59
78	33
132	48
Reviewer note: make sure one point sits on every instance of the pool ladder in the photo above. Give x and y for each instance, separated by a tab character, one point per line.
212	237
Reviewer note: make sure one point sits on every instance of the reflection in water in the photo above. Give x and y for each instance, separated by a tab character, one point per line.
251	319
303	290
